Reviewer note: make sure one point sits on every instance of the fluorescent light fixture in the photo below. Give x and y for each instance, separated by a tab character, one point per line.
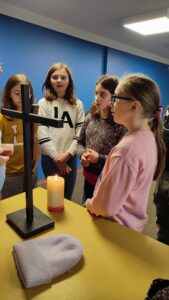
149	23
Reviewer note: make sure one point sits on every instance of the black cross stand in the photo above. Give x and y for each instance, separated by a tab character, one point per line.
30	220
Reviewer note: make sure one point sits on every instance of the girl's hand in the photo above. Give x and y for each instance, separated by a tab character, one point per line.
93	156
61	159
3	160
88	206
85	160
65	169
6	150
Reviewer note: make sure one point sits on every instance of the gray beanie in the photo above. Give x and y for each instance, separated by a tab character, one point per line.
39	261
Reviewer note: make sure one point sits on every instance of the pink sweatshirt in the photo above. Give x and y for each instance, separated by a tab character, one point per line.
122	194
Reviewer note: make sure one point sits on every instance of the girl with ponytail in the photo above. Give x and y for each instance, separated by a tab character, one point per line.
122	192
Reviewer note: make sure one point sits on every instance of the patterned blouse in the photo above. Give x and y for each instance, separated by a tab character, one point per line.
100	135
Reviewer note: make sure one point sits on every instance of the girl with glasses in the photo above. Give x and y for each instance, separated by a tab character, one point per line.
122	192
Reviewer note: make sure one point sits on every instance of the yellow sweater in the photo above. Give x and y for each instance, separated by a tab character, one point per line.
12	133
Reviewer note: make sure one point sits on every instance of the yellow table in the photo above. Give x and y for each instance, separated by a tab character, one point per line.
118	263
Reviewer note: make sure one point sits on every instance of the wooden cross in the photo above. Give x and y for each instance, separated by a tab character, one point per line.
31	220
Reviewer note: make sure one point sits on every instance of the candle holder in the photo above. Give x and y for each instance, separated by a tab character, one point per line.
19	221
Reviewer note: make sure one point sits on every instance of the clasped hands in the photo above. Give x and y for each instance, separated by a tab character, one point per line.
60	161
88	157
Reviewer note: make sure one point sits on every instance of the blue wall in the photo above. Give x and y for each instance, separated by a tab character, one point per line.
122	63
31	49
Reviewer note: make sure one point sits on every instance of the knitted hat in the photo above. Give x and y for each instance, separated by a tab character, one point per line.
158	290
39	261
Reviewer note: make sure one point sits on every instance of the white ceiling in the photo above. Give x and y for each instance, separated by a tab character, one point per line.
95	20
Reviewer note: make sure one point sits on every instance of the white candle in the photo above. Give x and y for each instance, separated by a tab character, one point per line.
55	190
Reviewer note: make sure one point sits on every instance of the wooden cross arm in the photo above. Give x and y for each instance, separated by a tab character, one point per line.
32	118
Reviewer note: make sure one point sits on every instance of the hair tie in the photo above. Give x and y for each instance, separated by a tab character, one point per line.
158	112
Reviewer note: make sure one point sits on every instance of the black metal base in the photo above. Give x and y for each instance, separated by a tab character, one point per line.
17	220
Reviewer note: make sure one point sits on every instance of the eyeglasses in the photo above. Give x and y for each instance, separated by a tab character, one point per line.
114	97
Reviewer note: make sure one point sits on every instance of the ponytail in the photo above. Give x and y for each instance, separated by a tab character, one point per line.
156	127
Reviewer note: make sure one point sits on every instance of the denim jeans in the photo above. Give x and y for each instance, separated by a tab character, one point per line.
2	176
49	168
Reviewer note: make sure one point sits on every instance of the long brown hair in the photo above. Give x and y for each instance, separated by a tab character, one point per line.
14	80
109	83
50	94
143	89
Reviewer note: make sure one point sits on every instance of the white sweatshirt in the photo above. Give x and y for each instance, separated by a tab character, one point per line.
53	140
